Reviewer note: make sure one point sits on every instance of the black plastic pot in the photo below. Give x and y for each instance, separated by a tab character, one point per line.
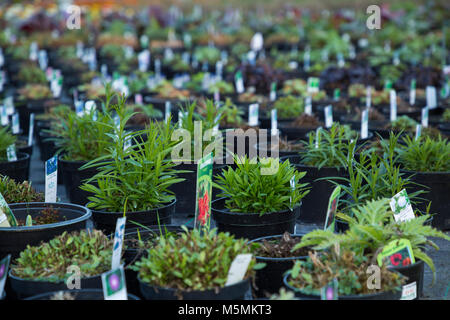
438	184
269	280
315	203
47	147
18	170
268	152
106	221
23	288
396	295
414	273
236	291
253	225
15	239
295	133
73	178
82	294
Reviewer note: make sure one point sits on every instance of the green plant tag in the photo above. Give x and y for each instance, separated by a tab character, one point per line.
396	253
114	285
4	265
273	91
29	221
336	94
5	210
167	111
203	191
332	208
313	85
388	84
238	268
401	206
330	291
143	40
412	92
11	153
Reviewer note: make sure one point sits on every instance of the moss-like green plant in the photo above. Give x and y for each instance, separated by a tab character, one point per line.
403	123
193	261
32	74
288	107
248	189
222	87
15	192
34	92
91	251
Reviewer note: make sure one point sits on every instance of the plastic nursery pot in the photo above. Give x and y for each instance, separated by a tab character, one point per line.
269	280
314	204
235	291
106	221
356	124
18	170
185	191
265	152
82	294
243	142
438	185
295	133
15	239
73	178
23	288
253	225
389	295
415	273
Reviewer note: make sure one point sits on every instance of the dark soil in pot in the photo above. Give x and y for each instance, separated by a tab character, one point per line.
82	294
106	221
18	170
15	239
253	225
276	254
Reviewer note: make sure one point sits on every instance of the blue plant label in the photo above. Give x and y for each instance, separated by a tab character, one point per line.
114	285
118	242
4	265
4	116
51	179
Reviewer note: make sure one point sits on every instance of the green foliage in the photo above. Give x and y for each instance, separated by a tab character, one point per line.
6	139
32	74
207	54
446	115
34	92
91	251
403	123
247	189
288	107
196	260
232	115
222	87
15	192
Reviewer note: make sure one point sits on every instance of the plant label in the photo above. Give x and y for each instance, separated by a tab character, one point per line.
4	265
118	242
336	94
333	202
431	97
306	60
257	42
330	291
253	111
167	111
15	123
31	130
203	191
401	206
79	108
292	183
9	105
418	131
409	291
328	116
89	106
273	91
144	60
11	153
313	85
393	102
274	122
388	85
4	116
368	97
340	60
412	92
308	105
158	68
365	124
396	253
180	118
238	268
114	284
318	136
143	40
219	69
239	82
51	179
33	51
425	117
4	208
216	96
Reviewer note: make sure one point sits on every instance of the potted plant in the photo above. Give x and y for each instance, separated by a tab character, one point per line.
15	169
247	209
288	108
44	268
186	267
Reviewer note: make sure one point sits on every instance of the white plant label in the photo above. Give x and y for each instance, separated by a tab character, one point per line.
239	83
118	242
401	206
431	97
31	130
4	116
412	93
114	284
257	42
238	268
253	110
292	184
4	265
11	153
144	60
9	105
418	131
167	110
328	116
317	136
368	97
15	123
79	108
51	179
308	105
365	124
393	100
425	117
180	118
273	92
409	291
273	122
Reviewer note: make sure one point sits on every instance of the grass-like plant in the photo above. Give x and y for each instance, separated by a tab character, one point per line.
248	190
15	192
196	260
91	251
6	139
424	154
